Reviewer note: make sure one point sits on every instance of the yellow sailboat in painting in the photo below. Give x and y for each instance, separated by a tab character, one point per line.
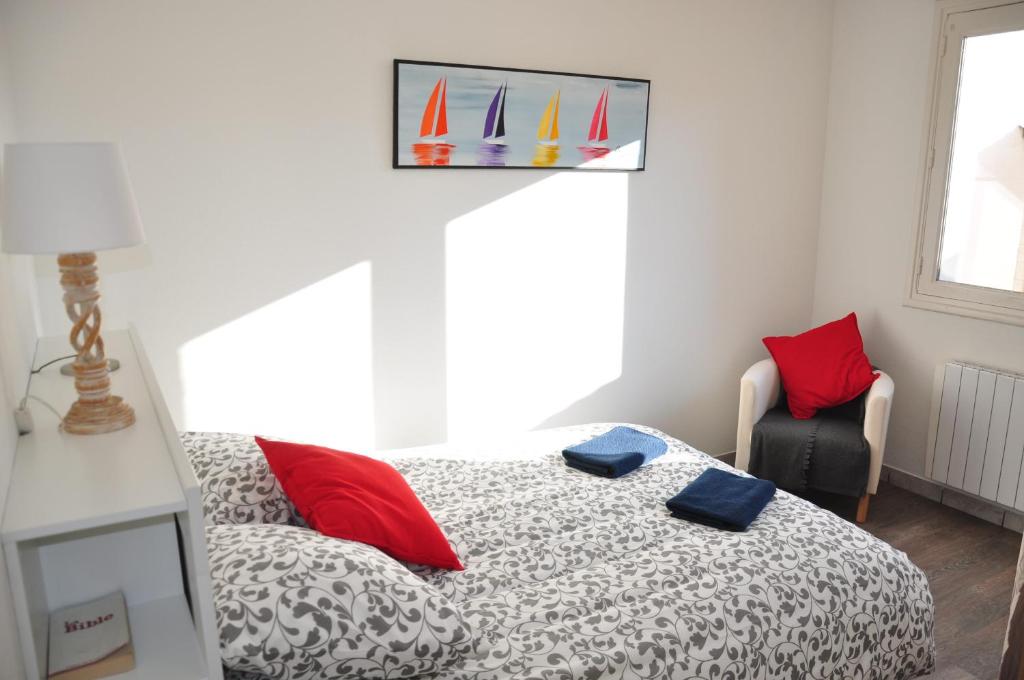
547	131
546	153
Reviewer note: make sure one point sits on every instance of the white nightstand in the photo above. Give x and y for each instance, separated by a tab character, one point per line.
87	515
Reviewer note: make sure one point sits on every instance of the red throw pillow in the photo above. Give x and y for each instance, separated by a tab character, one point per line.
824	367
346	495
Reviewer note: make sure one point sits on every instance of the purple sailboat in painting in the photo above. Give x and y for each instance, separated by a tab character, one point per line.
494	124
493	150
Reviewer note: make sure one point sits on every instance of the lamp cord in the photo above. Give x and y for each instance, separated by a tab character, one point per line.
28	386
52	361
47	405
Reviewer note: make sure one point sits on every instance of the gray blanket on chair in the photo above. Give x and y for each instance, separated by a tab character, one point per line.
827	452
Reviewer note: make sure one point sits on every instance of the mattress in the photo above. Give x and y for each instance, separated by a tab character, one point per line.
569	575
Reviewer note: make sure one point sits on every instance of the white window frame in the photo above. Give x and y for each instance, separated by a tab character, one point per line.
955	20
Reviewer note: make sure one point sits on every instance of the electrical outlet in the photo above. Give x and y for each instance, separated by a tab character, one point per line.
23	420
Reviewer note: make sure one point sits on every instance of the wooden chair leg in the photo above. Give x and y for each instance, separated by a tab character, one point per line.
862	508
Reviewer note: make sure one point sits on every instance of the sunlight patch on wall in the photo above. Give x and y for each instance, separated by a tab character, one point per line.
299	368
535	302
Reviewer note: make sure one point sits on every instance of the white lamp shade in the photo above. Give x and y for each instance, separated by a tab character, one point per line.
67	198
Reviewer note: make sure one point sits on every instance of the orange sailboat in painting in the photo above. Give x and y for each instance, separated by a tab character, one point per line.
433	150
434	125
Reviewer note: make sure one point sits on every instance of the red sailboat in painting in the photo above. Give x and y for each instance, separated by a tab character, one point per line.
599	123
597	136
432	149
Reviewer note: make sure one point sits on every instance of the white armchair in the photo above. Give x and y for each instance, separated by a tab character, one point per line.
759	390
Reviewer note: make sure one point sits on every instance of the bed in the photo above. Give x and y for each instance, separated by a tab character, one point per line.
569	575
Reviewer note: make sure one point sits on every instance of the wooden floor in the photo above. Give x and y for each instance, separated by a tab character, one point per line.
970	565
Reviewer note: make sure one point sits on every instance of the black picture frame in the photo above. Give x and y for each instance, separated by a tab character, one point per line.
398	148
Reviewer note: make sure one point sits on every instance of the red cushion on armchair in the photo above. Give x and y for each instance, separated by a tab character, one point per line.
823	367
346	495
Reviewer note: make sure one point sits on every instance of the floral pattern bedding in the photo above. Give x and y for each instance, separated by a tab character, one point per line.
580	577
293	603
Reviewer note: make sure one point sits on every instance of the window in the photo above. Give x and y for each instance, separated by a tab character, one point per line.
970	248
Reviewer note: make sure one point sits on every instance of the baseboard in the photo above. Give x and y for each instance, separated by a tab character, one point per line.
953	498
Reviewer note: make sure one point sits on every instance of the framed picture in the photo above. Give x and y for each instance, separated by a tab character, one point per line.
459	116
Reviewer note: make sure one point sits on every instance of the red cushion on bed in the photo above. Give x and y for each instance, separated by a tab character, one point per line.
346	495
824	367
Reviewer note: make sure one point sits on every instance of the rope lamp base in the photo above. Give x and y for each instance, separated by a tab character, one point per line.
96	411
96	418
93	414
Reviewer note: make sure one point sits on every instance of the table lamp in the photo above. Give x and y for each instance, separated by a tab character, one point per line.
72	200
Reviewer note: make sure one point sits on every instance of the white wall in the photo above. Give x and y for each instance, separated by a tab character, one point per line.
882	54
291	276
17	341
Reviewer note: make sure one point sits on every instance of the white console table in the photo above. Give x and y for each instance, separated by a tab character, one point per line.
88	515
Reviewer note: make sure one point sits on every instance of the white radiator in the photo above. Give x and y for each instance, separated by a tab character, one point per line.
979	435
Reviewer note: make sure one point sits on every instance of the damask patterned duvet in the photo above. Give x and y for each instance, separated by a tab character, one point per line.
580	577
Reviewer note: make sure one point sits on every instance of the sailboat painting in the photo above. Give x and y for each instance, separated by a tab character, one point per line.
459	116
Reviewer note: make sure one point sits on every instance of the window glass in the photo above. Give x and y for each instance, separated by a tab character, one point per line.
983	227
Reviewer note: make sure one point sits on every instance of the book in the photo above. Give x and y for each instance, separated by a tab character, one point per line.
91	640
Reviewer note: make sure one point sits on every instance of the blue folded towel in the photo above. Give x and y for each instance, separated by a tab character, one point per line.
616	452
722	500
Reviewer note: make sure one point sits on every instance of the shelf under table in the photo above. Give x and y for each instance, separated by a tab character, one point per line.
165	642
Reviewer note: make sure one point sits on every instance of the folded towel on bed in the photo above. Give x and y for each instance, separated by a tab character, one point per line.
618	451
722	500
